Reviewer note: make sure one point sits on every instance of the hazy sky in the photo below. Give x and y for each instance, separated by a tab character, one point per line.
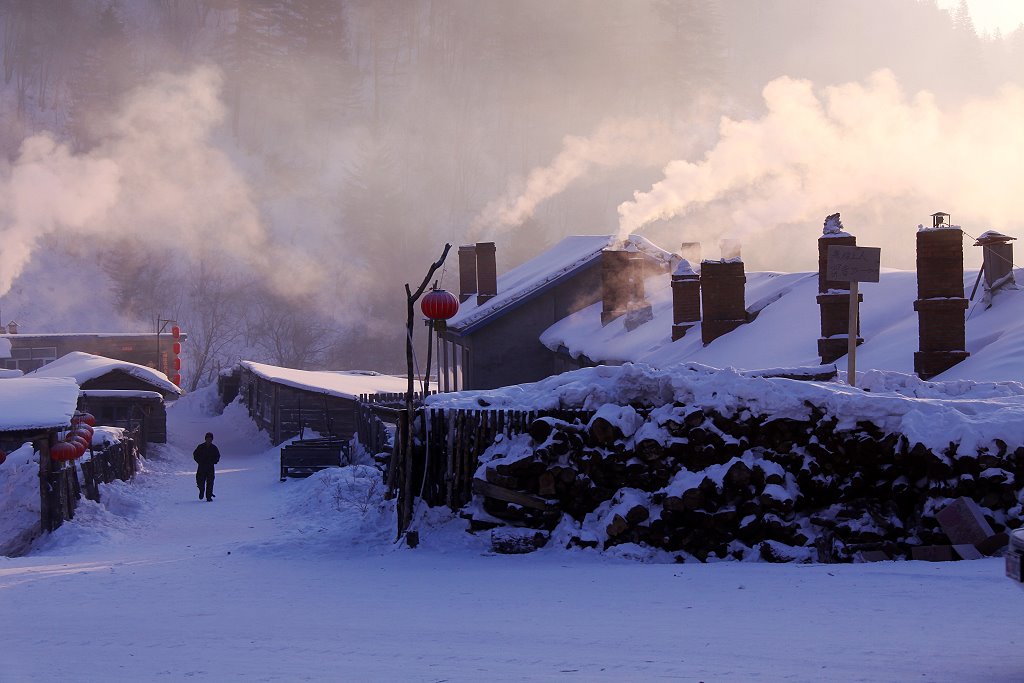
988	15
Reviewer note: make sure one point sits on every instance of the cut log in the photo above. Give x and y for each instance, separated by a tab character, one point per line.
603	433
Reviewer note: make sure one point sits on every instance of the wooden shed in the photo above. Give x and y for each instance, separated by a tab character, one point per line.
118	393
286	403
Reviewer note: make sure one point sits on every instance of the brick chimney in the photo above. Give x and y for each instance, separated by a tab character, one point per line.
940	303
833	296
685	299
12	327
622	287
467	272
724	298
486	272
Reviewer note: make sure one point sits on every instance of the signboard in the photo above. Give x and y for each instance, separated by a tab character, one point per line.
853	264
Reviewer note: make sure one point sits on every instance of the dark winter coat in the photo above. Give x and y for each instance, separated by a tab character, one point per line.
207	455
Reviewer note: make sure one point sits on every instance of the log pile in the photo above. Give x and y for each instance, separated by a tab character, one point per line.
707	485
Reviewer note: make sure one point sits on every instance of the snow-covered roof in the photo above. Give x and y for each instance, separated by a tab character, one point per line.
344	383
547	269
5	348
36	403
120	393
86	366
787	327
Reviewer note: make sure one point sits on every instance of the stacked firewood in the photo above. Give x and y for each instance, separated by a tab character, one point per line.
708	485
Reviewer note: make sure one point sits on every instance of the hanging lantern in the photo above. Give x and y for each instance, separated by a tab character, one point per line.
177	380
176	348
88	419
63	452
438	306
175	333
85	432
79	444
3	457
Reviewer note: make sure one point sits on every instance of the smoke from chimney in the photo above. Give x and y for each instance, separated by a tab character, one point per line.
851	145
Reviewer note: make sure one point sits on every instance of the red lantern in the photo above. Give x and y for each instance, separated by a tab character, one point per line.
84	433
175	333
79	443
177	380
63	452
176	347
87	418
439	304
177	364
3	457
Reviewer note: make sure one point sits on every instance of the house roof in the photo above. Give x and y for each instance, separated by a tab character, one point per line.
787	327
535	276
83	367
343	383
28	404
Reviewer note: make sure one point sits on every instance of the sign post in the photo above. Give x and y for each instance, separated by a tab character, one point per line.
853	265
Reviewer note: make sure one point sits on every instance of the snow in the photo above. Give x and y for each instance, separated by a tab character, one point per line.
7	374
83	367
29	403
569	255
301	580
120	393
787	327
344	384
5	348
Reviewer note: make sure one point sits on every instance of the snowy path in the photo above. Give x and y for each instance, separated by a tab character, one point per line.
269	583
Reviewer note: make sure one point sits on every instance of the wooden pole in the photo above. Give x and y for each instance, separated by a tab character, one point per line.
851	343
45	466
405	495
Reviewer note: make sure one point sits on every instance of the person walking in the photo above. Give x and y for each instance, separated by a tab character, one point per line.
206	456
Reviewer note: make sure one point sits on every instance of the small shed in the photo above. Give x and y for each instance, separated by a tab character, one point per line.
118	393
285	402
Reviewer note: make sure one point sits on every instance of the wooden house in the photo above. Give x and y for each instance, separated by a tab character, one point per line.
287	403
30	352
494	339
118	393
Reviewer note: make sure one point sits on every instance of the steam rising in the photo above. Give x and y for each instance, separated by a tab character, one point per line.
615	143
156	175
852	145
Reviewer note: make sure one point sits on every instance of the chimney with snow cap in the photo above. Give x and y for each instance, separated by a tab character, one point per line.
467	272
940	303
834	296
486	272
622	286
685	299
722	285
997	261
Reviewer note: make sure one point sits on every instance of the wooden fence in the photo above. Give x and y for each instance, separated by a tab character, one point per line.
449	444
118	461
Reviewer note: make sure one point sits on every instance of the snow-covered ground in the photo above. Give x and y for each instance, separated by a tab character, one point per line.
300	581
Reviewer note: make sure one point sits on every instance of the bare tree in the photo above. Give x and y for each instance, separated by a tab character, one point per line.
214	321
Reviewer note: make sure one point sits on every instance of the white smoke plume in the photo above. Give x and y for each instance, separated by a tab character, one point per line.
615	143
157	175
864	145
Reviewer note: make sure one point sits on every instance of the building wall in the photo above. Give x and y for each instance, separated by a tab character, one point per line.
283	411
148	414
30	352
508	350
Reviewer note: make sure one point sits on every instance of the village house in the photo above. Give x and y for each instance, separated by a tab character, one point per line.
494	339
29	352
287	403
118	393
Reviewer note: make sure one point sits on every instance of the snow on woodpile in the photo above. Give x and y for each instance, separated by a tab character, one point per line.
83	367
714	464
343	383
36	403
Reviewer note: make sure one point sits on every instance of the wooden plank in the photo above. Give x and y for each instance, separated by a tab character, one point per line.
490	490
